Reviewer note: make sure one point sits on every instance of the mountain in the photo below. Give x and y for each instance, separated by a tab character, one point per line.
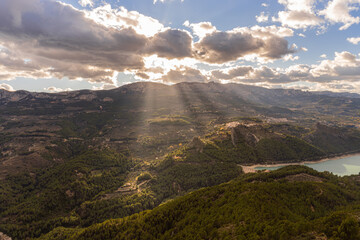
290	203
74	159
143	116
339	94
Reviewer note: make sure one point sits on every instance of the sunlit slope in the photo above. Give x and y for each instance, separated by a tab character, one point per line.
150	119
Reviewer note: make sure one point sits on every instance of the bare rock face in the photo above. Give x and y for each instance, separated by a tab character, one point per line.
234	136
303	177
4	237
176	187
197	144
242	132
251	134
6	96
70	193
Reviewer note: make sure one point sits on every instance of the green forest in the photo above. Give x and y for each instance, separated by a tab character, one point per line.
291	203
95	184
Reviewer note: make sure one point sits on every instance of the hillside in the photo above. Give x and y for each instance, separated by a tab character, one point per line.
75	159
99	184
148	118
290	203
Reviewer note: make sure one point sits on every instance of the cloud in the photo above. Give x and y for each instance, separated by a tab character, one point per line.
171	43
338	11
345	66
122	18
262	17
85	3
298	5
162	1
231	73
353	40
297	19
266	74
200	29
264	42
220	47
63	42
6	87
262	74
55	89
13	65
301	14
46	38
186	74
104	86
298	14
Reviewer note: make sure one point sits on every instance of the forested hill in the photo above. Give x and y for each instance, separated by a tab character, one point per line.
290	203
79	158
96	183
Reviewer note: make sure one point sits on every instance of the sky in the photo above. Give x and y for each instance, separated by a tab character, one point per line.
64	45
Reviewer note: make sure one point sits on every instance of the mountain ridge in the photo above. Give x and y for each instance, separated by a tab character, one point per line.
140	86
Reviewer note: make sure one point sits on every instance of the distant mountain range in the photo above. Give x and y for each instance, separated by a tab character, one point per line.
339	94
141	111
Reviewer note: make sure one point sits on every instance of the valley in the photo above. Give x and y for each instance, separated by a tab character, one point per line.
70	160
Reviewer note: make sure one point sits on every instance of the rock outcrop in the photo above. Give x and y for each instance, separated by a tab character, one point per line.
4	237
197	144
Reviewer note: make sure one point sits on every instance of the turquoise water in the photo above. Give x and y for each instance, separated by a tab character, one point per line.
341	166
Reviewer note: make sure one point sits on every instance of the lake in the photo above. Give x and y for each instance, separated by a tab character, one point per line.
341	166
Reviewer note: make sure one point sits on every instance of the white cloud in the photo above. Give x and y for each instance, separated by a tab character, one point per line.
291	58
200	29
298	14
323	56
57	40
297	19
262	17
238	72
60	41
6	87
340	74
185	74
85	3
55	89
155	1
345	66
302	14
122	18
353	40
298	5
339	11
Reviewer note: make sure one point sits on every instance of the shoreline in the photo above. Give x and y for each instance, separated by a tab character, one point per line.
251	168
